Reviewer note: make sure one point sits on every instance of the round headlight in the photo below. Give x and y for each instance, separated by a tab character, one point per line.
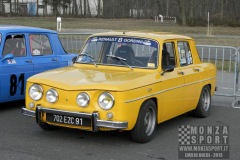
83	99
35	92
52	95
106	101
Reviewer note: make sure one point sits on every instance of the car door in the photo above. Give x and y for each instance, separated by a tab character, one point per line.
64	58
191	73
42	53
172	83
14	71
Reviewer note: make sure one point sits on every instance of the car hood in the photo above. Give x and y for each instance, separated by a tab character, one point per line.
75	78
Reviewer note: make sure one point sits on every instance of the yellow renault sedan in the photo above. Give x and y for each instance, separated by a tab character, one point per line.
127	81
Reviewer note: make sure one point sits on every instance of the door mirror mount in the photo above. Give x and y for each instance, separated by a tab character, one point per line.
169	68
8	56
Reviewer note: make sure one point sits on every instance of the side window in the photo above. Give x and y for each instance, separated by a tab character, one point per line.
15	44
40	45
168	55
185	54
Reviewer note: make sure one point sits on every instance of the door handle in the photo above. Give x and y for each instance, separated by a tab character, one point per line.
54	59
28	61
181	72
196	69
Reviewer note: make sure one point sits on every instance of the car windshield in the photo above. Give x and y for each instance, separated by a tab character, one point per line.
120	51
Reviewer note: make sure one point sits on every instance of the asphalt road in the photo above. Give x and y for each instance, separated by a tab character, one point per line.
21	138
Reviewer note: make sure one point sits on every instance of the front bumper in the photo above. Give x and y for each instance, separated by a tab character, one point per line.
96	123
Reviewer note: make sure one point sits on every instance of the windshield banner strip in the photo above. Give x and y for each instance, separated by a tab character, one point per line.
131	40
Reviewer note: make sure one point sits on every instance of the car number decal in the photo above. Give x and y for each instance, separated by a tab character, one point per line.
16	83
11	61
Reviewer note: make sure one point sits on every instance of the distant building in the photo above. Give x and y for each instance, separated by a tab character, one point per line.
29	7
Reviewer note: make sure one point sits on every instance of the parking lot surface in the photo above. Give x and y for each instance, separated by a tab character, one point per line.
22	138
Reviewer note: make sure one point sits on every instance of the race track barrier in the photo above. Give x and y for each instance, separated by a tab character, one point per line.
236	103
225	59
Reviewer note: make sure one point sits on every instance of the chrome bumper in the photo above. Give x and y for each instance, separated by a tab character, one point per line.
27	112
94	116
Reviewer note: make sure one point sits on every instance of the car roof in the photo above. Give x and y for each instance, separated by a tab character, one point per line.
151	35
26	29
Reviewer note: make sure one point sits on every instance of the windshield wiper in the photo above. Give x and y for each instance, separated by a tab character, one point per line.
123	60
91	57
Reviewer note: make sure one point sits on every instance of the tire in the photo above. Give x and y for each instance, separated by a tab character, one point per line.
144	128
204	104
47	127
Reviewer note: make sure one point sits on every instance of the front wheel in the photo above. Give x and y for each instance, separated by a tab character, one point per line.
204	104
146	123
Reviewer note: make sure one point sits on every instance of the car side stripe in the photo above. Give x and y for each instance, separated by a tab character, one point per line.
150	95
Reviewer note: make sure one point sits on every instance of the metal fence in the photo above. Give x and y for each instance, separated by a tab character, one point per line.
72	42
237	93
225	58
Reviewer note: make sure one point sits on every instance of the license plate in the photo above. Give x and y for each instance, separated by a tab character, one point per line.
77	121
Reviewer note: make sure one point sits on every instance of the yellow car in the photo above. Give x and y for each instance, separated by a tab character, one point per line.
127	81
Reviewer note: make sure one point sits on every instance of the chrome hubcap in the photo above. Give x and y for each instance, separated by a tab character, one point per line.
150	121
206	99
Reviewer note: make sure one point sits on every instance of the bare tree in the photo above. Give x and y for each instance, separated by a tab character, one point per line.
2	7
37	8
190	15
99	8
182	11
80	7
89	10
10	3
85	8
45	2
222	3
188	12
75	8
15	6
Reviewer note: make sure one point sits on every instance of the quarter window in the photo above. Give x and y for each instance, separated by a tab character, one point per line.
185	54
40	45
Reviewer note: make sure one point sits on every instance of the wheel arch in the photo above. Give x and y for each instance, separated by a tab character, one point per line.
155	100
212	89
210	86
145	125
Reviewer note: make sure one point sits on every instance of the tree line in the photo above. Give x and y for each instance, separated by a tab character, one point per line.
187	12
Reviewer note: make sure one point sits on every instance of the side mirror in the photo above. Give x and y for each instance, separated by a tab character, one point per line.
169	68
74	59
8	56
